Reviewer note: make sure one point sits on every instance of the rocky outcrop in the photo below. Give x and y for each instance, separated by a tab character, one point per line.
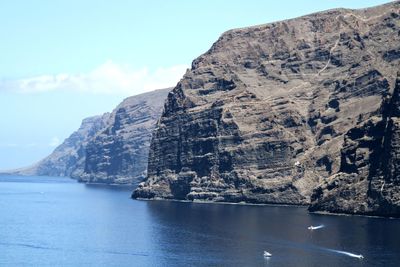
261	117
111	148
118	154
69	157
369	178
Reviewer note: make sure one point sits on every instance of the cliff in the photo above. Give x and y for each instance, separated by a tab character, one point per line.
111	148
118	153
68	157
264	115
369	178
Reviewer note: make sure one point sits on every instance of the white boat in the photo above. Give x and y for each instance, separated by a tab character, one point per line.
267	254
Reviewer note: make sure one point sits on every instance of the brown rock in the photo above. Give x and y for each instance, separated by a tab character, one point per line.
261	116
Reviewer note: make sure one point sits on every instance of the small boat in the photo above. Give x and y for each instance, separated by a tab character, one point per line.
267	254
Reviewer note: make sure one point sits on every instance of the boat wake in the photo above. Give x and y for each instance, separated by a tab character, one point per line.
316	227
359	256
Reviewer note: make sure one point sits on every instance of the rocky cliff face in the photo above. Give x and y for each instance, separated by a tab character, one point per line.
118	153
261	117
69	157
112	148
369	178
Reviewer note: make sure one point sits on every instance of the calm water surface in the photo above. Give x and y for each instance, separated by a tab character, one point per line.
58	222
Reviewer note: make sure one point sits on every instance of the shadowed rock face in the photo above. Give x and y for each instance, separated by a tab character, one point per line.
369	178
261	117
112	148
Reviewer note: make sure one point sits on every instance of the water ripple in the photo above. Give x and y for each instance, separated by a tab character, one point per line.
28	246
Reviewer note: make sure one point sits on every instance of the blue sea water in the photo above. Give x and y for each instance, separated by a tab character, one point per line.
49	221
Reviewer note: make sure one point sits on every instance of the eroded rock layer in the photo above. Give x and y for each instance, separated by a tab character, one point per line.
369	178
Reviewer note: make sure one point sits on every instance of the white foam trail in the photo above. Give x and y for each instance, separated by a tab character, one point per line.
359	256
316	227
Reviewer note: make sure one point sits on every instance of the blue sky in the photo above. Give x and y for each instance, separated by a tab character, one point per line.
62	61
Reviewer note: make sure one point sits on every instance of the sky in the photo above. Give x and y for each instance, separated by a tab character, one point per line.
64	60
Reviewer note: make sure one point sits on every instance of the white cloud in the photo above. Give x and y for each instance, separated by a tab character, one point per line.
55	141
108	78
